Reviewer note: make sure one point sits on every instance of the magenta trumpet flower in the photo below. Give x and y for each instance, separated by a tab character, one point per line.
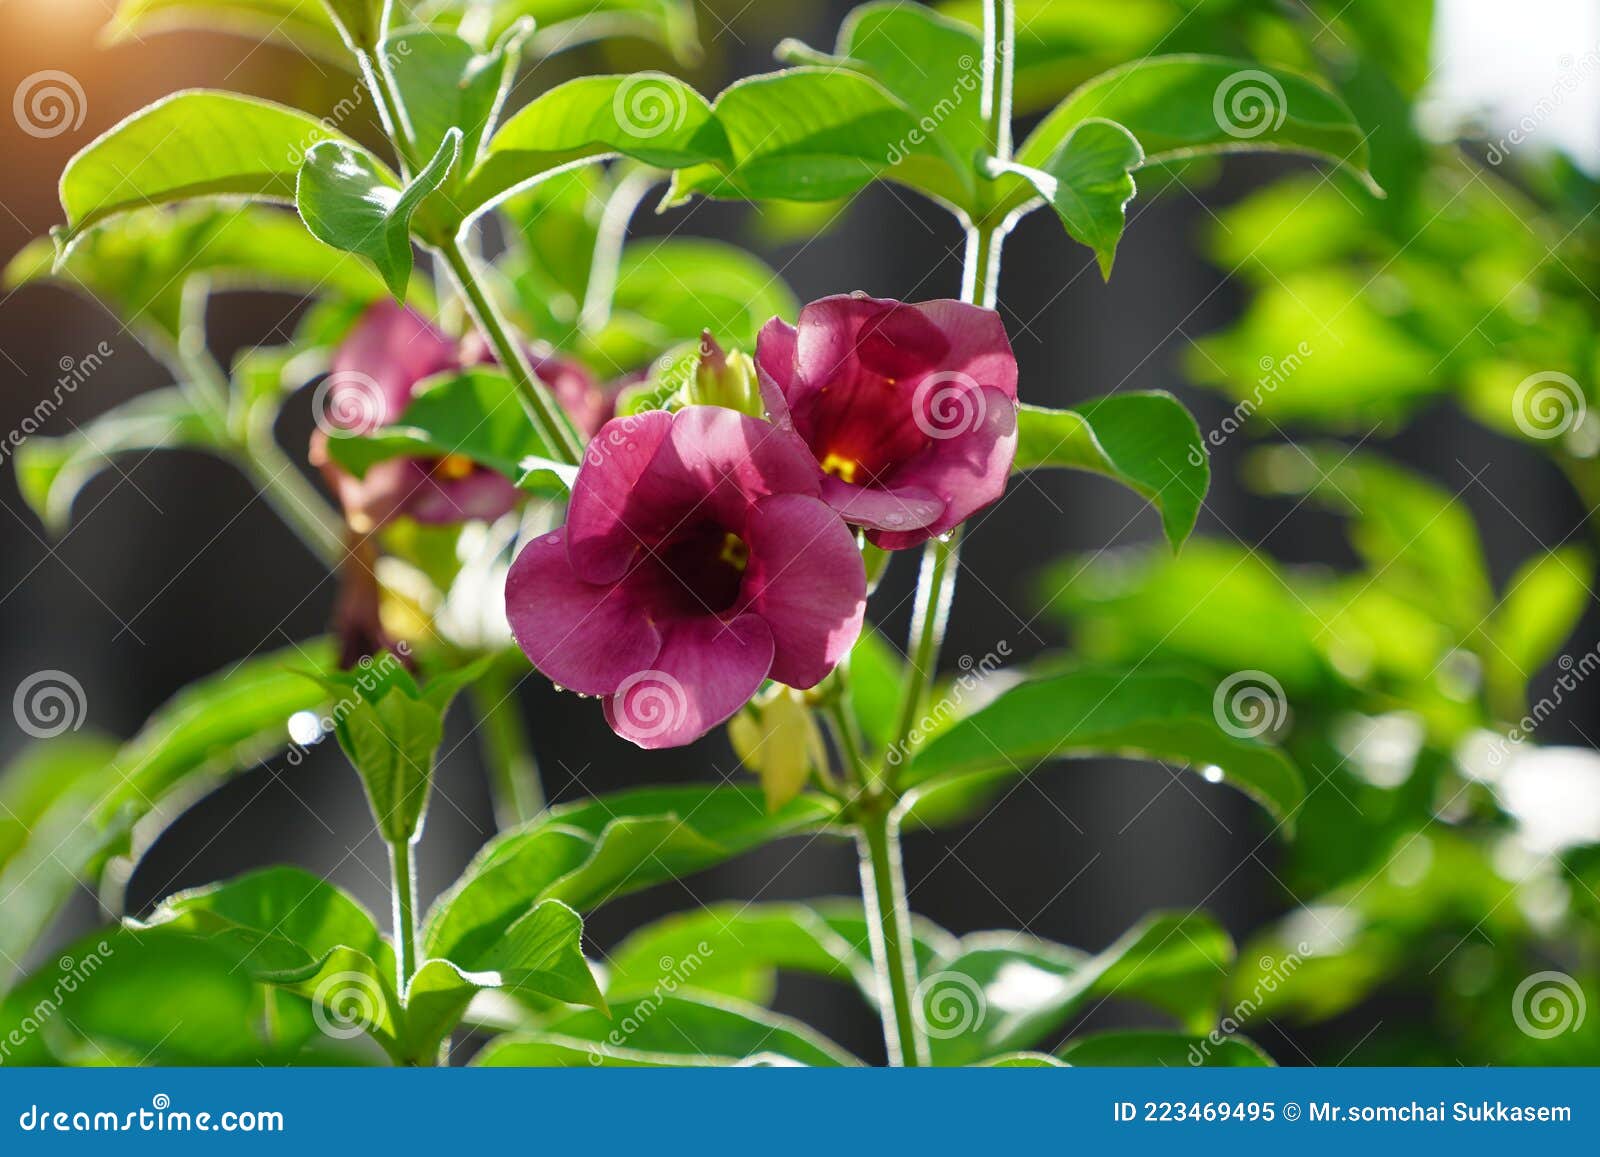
908	409
697	561
374	373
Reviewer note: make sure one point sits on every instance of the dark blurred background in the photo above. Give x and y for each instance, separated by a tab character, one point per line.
172	569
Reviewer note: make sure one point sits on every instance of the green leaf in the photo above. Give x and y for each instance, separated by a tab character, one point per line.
1419	539
209	729
1188	105
1543	603
52	471
302	24
115	997
589	853
360	22
143	263
650	116
1147	441
1163	1049
349	199
475	413
816	134
717	1029
1088	181
191	144
877	674
540	955
1128	713
445	84
931	64
566	24
40	775
1001	990
733	950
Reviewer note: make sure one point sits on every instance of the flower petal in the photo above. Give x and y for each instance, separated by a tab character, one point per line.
707	670
598	538
584	636
979	346
482	494
806	581
968	471
775	367
883	508
389	350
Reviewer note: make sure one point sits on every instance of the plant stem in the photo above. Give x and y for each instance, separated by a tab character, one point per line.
936	586
611	235
557	435
391	111
514	778
889	922
403	885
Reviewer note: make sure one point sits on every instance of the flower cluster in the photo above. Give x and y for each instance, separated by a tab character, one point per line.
706	551
376	370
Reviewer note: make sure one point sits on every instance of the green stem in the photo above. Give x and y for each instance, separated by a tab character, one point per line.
936	586
391	111
848	736
536	399
403	885
514	778
280	482
889	921
612	234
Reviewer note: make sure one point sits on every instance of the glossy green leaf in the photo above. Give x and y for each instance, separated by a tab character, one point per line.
1146	441
191	144
931	64
348	199
589	853
1162	1049
1000	990
302	24
115	997
566	24
539	955
734	949
213	727
52	471
1088	181
650	116
360	22
716	1029
1133	713
41	774
814	134
141	264
445	83
1185	105
877	674
474	413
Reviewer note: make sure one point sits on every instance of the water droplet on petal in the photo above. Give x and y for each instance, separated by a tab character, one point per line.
552	539
559	688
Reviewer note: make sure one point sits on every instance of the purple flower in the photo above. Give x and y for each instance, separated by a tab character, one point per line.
374	373
696	562
909	409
